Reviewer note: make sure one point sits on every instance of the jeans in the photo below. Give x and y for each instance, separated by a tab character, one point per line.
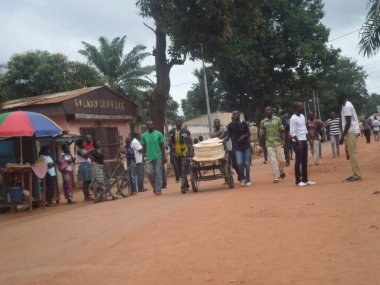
287	149
133	177
154	171
334	140
232	155
184	167
177	170
265	153
50	187
243	158
367	134
140	176
164	177
300	166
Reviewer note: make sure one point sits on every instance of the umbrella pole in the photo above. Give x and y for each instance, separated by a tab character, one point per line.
21	156
22	162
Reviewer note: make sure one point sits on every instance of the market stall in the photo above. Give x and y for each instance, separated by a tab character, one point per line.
17	177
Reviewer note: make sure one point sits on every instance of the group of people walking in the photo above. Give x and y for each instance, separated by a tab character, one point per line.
302	134
368	126
279	137
345	130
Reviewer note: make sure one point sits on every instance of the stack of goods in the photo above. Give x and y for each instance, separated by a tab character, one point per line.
209	150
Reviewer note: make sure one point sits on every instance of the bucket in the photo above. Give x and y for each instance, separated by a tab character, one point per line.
16	194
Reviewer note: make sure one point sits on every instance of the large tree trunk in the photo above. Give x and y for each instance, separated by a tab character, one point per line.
160	95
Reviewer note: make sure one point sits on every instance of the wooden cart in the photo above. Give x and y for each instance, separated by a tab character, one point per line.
210	170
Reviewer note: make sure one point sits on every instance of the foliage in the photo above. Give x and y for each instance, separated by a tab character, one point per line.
341	74
370	105
369	42
171	110
121	72
336	74
39	72
188	24
194	104
274	53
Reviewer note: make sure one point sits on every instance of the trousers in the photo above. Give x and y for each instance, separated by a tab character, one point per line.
154	171
277	160
300	165
351	140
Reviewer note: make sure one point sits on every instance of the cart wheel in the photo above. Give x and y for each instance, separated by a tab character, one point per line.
194	181
229	177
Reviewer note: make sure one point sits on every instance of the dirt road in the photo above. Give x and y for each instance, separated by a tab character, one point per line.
265	234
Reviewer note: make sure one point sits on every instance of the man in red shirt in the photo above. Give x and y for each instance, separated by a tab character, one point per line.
314	128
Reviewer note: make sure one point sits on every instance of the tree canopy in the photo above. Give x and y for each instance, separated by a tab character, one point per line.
121	72
370	105
195	105
188	24
369	42
40	72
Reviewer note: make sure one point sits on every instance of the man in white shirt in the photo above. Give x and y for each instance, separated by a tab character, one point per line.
376	128
300	136
351	131
137	147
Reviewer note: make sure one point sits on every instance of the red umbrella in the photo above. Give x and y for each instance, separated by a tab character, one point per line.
27	124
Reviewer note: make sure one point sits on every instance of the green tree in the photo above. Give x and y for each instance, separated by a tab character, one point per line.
275	50
371	103
171	110
369	42
39	72
122	72
341	74
194	104
188	24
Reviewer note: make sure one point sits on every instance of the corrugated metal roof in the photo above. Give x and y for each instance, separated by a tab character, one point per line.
47	98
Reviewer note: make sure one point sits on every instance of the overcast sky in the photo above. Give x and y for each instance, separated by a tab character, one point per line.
60	26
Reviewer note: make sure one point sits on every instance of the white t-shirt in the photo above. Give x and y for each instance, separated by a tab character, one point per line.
376	125
51	170
349	110
298	127
136	146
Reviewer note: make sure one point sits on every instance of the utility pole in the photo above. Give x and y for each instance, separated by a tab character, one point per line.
315	103
206	93
319	107
304	106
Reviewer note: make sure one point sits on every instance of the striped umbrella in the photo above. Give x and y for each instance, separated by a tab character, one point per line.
27	124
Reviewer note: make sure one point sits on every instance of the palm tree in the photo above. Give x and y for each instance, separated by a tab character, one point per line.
122	73
370	31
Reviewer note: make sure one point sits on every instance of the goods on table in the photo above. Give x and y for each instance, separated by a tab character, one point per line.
209	150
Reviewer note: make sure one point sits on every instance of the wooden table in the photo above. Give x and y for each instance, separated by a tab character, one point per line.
23	170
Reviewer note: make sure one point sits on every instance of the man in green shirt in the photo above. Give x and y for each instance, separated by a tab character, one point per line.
154	149
273	132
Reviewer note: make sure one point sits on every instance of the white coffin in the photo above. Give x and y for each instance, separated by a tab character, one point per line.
209	150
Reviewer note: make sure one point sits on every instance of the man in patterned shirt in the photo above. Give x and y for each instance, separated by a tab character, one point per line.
272	130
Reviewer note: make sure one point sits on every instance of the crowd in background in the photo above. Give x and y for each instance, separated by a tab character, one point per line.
281	140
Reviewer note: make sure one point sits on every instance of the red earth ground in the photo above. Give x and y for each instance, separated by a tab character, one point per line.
264	234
